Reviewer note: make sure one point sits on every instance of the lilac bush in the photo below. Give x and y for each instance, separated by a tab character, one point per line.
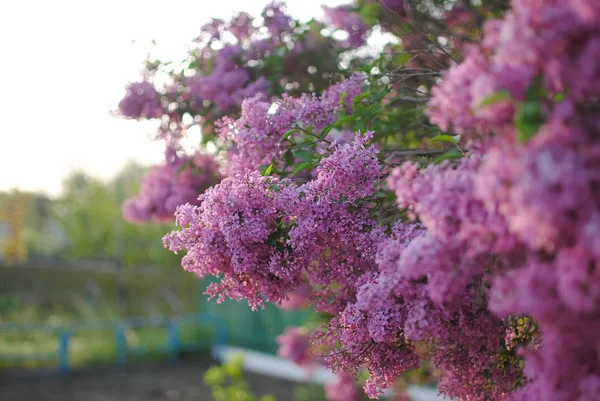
477	262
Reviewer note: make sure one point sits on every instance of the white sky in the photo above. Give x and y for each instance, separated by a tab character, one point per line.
63	67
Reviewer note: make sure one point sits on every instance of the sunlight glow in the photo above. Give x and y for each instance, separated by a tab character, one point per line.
64	68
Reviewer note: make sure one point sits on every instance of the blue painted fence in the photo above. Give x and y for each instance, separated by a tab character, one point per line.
172	346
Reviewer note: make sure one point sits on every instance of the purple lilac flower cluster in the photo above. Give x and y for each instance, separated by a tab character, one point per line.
294	344
177	181
226	86
541	192
344	18
142	100
265	236
257	132
342	389
557	41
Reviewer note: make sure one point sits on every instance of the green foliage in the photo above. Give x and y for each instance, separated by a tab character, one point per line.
309	392
301	167
455	153
447	138
528	116
495	97
227	383
288	134
449	155
269	169
89	213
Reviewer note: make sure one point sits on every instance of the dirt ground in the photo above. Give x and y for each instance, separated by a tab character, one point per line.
147	382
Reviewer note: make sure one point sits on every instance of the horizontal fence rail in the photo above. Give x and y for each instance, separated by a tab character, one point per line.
118	315
172	346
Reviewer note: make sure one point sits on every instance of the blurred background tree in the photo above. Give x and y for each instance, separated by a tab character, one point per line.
89	212
83	223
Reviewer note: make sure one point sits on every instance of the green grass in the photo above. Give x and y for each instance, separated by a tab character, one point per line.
92	348
61	297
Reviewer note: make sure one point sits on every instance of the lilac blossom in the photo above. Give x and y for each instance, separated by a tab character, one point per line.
343	17
256	134
294	344
141	101
342	389
180	180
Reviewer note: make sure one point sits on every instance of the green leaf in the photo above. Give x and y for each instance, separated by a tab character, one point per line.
288	134
528	116
449	155
304	155
382	194
215	376
343	98
269	169
367	68
494	98
528	120
302	166
344	120
558	97
357	101
288	157
234	369
444	138
194	65
535	90
326	130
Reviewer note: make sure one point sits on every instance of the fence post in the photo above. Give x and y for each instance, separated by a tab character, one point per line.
63	350
121	339
173	341
220	333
